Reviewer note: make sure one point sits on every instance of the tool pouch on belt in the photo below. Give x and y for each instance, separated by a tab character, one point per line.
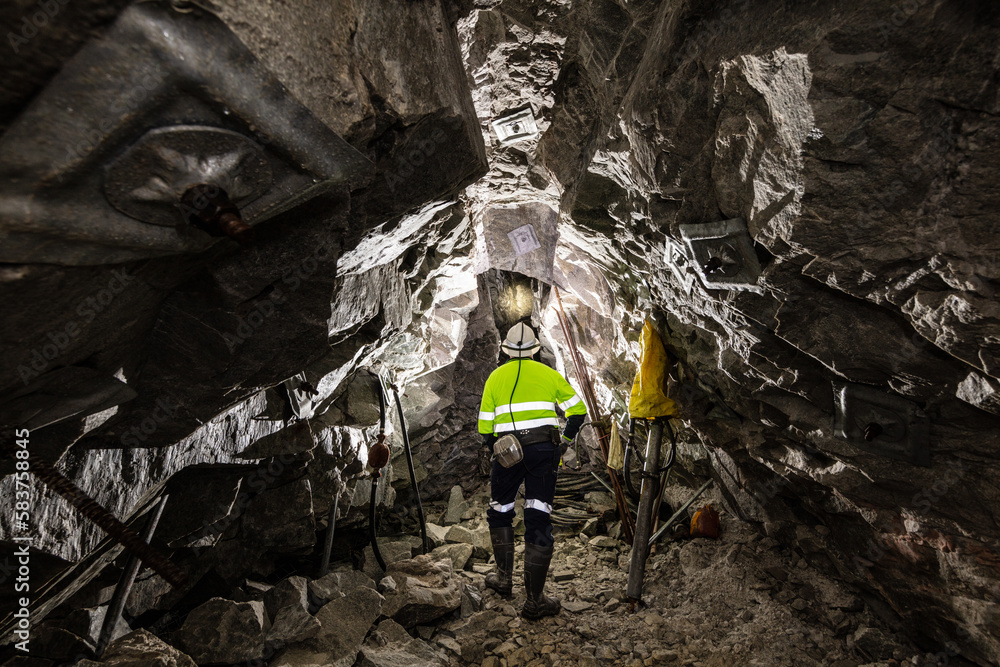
507	450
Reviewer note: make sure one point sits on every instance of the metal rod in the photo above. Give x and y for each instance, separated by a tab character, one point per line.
664	474
603	483
376	476
650	485
331	523
671	520
124	587
372	532
659	499
628	524
629	451
106	521
413	474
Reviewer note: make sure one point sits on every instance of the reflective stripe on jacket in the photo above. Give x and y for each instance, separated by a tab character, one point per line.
539	391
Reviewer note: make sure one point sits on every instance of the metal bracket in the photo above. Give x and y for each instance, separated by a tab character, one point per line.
881	423
516	126
722	254
301	396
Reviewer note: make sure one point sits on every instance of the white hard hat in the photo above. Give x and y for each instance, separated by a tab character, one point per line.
520	342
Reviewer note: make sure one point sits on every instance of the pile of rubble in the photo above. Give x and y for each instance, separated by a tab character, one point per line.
741	599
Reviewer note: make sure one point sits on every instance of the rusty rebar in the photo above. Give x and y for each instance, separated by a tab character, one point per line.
106	521
628	522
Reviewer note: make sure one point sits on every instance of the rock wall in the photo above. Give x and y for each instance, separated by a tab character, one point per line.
854	163
853	144
799	195
201	340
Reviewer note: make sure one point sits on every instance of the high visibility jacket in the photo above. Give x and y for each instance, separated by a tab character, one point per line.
539	390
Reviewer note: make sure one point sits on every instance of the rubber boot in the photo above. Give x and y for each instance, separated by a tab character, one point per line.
536	567
503	552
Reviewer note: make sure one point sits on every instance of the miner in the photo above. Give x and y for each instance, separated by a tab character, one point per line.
520	426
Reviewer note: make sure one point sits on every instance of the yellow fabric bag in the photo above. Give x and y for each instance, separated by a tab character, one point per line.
648	399
616	454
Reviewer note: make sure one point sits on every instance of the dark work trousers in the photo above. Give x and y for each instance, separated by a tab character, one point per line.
538	472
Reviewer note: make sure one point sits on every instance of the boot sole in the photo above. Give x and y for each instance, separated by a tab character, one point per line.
535	617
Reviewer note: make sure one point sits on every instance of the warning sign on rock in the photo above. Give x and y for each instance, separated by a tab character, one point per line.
524	240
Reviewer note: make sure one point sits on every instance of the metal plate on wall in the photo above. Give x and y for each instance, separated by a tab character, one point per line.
516	126
149	179
156	71
722	254
881	423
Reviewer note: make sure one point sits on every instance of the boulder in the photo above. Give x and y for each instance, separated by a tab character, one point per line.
292	624
391	646
472	601
221	632
344	622
600	501
426	589
287	605
338	584
386	585
459	554
140	649
479	539
604	542
288	593
255	590
456	506
392	550
436	534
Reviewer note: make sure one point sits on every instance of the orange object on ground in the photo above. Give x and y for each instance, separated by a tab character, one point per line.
705	523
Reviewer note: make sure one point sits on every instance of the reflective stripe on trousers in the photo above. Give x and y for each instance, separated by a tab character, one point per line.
538	473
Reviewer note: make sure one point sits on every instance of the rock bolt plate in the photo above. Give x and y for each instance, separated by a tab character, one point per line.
147	182
902	427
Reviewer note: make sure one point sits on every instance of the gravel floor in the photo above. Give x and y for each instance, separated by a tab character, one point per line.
739	600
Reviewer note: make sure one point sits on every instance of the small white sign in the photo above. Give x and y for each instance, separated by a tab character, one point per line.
515	127
524	240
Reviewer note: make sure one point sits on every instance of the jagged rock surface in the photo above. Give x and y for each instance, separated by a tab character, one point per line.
861	175
222	631
141	649
855	142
